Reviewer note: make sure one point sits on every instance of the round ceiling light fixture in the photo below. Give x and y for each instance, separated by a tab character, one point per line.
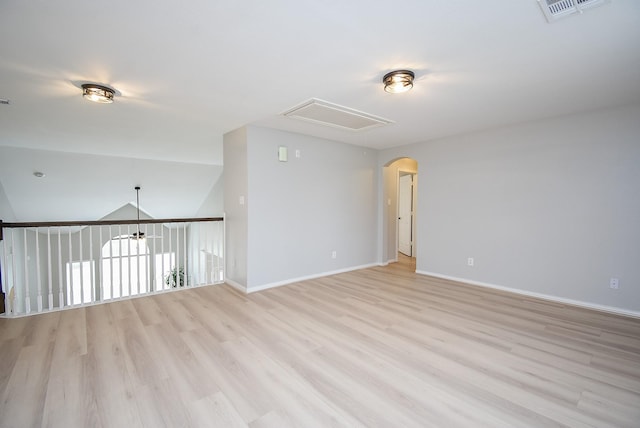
98	93
398	81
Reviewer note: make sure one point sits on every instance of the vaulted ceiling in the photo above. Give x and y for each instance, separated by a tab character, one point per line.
188	72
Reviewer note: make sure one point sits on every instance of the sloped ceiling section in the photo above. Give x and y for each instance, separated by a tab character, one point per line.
6	212
88	187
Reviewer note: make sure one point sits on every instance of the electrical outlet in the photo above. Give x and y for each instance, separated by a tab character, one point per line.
334	254
614	283
470	261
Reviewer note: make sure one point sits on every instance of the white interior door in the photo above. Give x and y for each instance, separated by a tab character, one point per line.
405	215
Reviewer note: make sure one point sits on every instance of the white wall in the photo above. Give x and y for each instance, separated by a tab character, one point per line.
6	212
236	186
6	251
80	186
127	212
213	205
302	210
551	207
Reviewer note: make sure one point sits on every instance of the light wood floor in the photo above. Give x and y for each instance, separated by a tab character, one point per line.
377	347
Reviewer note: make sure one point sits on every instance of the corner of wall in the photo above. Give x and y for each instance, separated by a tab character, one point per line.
6	211
213	204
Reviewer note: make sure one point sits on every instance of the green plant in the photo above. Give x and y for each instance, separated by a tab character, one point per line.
175	278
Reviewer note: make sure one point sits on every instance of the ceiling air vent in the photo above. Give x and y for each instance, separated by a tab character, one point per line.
556	9
326	113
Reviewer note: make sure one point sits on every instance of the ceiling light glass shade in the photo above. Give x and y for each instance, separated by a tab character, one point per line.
398	81
97	93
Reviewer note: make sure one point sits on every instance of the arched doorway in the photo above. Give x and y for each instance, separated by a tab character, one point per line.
400	178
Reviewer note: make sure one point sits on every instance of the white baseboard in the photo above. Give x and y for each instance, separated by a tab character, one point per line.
580	303
304	278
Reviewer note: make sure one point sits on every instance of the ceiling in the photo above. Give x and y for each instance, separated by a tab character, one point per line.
176	190
188	72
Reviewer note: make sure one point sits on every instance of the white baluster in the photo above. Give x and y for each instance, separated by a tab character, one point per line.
49	273
163	229
199	247
129	264
14	273
60	283
147	265
111	255
81	258
139	245
3	279
38	275
171	262
92	279
27	295
100	273
70	291
120	248
186	260
223	250
153	286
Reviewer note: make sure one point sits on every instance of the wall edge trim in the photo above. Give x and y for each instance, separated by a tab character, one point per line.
236	285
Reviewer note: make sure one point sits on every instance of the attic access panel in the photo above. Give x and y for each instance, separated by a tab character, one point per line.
556	9
337	116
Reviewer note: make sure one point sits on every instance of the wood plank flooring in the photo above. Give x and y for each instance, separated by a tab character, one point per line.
380	347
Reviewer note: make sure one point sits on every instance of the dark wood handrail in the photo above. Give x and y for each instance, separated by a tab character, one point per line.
105	222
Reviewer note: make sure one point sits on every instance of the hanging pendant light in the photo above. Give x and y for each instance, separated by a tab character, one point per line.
139	234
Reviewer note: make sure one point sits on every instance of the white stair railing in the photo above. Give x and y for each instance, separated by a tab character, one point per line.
51	266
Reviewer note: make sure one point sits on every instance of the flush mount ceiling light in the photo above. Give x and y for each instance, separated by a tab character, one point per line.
97	93
398	81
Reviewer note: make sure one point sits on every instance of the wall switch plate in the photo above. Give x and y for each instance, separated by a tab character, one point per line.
470	261
298	154
282	153
241	200
334	254
614	283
